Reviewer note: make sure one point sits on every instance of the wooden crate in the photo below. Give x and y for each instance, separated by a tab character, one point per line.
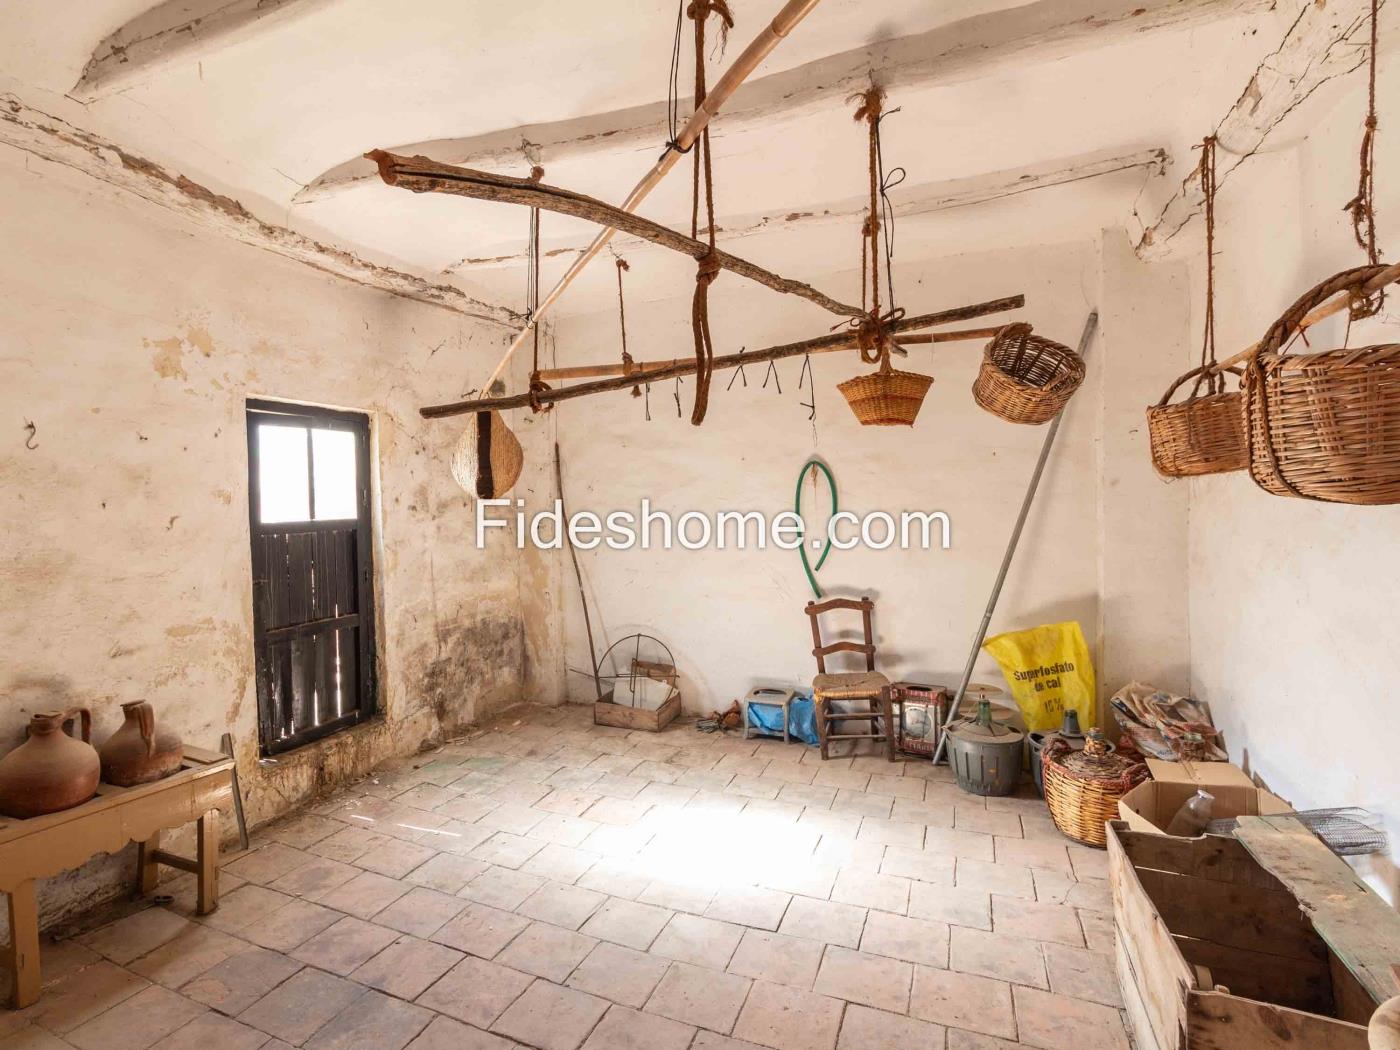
1215	951
606	712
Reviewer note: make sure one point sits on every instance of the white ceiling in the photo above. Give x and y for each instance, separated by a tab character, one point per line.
266	115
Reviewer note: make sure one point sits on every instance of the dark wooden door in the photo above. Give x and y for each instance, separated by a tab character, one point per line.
313	595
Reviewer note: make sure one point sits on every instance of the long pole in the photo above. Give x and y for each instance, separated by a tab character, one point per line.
844	339
793	12
1090	324
550	375
582	597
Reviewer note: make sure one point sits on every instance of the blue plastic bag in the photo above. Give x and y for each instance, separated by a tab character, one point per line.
802	719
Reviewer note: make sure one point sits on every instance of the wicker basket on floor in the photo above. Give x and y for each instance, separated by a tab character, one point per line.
1324	426
1082	788
1202	435
887	397
1026	378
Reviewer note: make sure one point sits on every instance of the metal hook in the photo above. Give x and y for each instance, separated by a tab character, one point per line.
739	373
772	371
30	441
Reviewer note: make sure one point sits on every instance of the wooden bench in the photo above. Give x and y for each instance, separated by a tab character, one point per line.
43	846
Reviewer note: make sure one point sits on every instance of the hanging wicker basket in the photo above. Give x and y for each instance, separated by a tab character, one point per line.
1324	426
1082	788
887	397
1201	435
488	458
1026	378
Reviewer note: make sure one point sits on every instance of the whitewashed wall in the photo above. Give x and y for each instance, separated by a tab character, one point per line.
1294	603
735	618
131	342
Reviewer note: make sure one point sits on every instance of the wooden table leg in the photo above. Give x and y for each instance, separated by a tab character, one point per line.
24	943
147	868
207	857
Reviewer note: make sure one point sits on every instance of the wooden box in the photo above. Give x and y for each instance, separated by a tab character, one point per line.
1217	952
645	678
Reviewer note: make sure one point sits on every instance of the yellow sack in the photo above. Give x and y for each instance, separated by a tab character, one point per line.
1050	672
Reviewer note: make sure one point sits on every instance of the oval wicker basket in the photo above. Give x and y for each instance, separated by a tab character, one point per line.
488	457
1324	426
887	397
1026	378
1201	435
1082	788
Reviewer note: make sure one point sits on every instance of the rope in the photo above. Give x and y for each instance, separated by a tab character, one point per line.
708	267
1214	381
627	363
532	299
1363	206
871	337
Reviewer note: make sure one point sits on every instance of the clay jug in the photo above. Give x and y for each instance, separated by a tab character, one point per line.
51	770
137	753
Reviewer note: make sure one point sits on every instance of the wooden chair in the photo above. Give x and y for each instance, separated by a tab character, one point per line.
869	685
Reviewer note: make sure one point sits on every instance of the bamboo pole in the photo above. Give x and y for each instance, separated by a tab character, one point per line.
842	340
1390	275
552	375
793	12
422	175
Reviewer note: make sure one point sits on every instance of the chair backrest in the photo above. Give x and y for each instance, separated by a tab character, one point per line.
866	608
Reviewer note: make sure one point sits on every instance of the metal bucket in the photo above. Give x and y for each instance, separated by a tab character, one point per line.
986	756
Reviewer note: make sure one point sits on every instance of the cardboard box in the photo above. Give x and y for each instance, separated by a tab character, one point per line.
1151	805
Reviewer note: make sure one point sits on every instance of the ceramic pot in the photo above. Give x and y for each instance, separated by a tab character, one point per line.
138	753
51	770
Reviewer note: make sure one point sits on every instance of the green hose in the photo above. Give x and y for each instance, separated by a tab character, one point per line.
797	509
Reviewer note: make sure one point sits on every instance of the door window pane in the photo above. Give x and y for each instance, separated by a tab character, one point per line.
284	494
334	476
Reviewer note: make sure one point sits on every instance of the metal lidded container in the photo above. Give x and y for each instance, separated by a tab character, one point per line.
986	755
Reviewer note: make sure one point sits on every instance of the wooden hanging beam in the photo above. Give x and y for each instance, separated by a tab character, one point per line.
553	375
842	340
783	23
422	175
1390	275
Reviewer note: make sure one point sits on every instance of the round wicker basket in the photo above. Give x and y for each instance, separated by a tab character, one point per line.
1324	426
886	398
1026	378
1082	788
1201	435
488	458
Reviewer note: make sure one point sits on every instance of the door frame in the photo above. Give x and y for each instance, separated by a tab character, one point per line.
357	423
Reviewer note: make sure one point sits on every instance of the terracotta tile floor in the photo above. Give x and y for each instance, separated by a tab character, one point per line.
552	884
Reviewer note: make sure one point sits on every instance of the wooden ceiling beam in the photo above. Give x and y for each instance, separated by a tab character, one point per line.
1039	31
1325	41
179	32
908	202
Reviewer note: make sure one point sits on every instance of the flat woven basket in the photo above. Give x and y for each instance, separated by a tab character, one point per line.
488	458
1324	426
1026	378
1201	435
887	397
1082	788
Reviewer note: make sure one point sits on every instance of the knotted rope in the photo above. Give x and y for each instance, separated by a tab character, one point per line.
1363	206
708	267
1213	380
872	338
532	300
628	365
